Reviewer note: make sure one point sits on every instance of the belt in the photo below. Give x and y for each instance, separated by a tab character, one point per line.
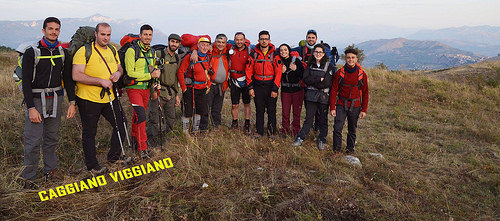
43	95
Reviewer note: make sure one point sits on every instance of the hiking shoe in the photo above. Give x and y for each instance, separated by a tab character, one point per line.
48	176
298	142
348	151
28	185
98	170
257	136
321	145
246	128
145	154
234	125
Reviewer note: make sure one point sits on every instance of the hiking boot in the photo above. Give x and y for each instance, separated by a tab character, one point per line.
28	185
48	176
98	170
234	125
257	136
145	154
246	128
298	142
349	151
322	145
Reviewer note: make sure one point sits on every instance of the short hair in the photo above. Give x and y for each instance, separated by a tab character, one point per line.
146	27
264	32
103	24
220	36
240	33
49	20
351	50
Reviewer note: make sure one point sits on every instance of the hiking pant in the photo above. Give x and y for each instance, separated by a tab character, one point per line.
199	99
34	133
289	101
152	127
352	123
263	101
215	99
311	109
89	114
139	99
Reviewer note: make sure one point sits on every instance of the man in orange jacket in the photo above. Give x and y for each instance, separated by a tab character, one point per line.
194	80
219	62
263	77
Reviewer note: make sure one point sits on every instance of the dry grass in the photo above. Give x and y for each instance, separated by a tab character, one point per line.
439	138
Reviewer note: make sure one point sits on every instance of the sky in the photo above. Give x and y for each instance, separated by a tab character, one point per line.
214	16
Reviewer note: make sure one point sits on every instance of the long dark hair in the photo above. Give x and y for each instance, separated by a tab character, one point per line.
324	59
289	50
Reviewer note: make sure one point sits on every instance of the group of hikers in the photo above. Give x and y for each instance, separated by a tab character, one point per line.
159	80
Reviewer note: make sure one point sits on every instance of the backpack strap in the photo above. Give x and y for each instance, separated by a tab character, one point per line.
36	52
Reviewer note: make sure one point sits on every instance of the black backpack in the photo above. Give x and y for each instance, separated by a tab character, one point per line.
125	79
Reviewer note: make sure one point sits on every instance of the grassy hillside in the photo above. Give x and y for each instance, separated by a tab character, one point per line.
439	139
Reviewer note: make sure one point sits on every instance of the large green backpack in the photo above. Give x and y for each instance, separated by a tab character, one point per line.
84	36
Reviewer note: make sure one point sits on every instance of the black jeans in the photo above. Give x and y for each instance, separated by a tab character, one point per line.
312	108
263	101
352	124
89	114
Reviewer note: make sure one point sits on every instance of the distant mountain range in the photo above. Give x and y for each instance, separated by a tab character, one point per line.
401	53
483	40
16	32
427	49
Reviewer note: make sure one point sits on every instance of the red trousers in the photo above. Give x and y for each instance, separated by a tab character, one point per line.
139	99
289	101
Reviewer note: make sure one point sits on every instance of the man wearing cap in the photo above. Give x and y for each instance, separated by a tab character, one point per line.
239	57
219	64
194	79
263	77
169	93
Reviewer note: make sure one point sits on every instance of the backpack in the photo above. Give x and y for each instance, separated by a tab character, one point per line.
359	85
84	36
21	49
131	42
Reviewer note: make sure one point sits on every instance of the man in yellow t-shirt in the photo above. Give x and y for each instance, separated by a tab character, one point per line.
101	71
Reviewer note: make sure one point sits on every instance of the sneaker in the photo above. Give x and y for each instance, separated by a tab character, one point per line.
48	176
145	154
234	125
321	145
29	185
298	142
98	170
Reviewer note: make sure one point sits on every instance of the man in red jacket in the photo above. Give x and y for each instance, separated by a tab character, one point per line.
194	80
348	99
263	77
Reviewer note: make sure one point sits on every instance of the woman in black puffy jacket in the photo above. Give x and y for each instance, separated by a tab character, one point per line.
318	77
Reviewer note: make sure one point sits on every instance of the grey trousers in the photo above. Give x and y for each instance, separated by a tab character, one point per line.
152	126
46	134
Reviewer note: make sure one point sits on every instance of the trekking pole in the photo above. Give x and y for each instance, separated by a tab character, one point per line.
160	116
116	125
124	120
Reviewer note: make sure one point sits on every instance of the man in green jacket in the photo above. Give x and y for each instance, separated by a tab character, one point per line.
140	65
169	92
